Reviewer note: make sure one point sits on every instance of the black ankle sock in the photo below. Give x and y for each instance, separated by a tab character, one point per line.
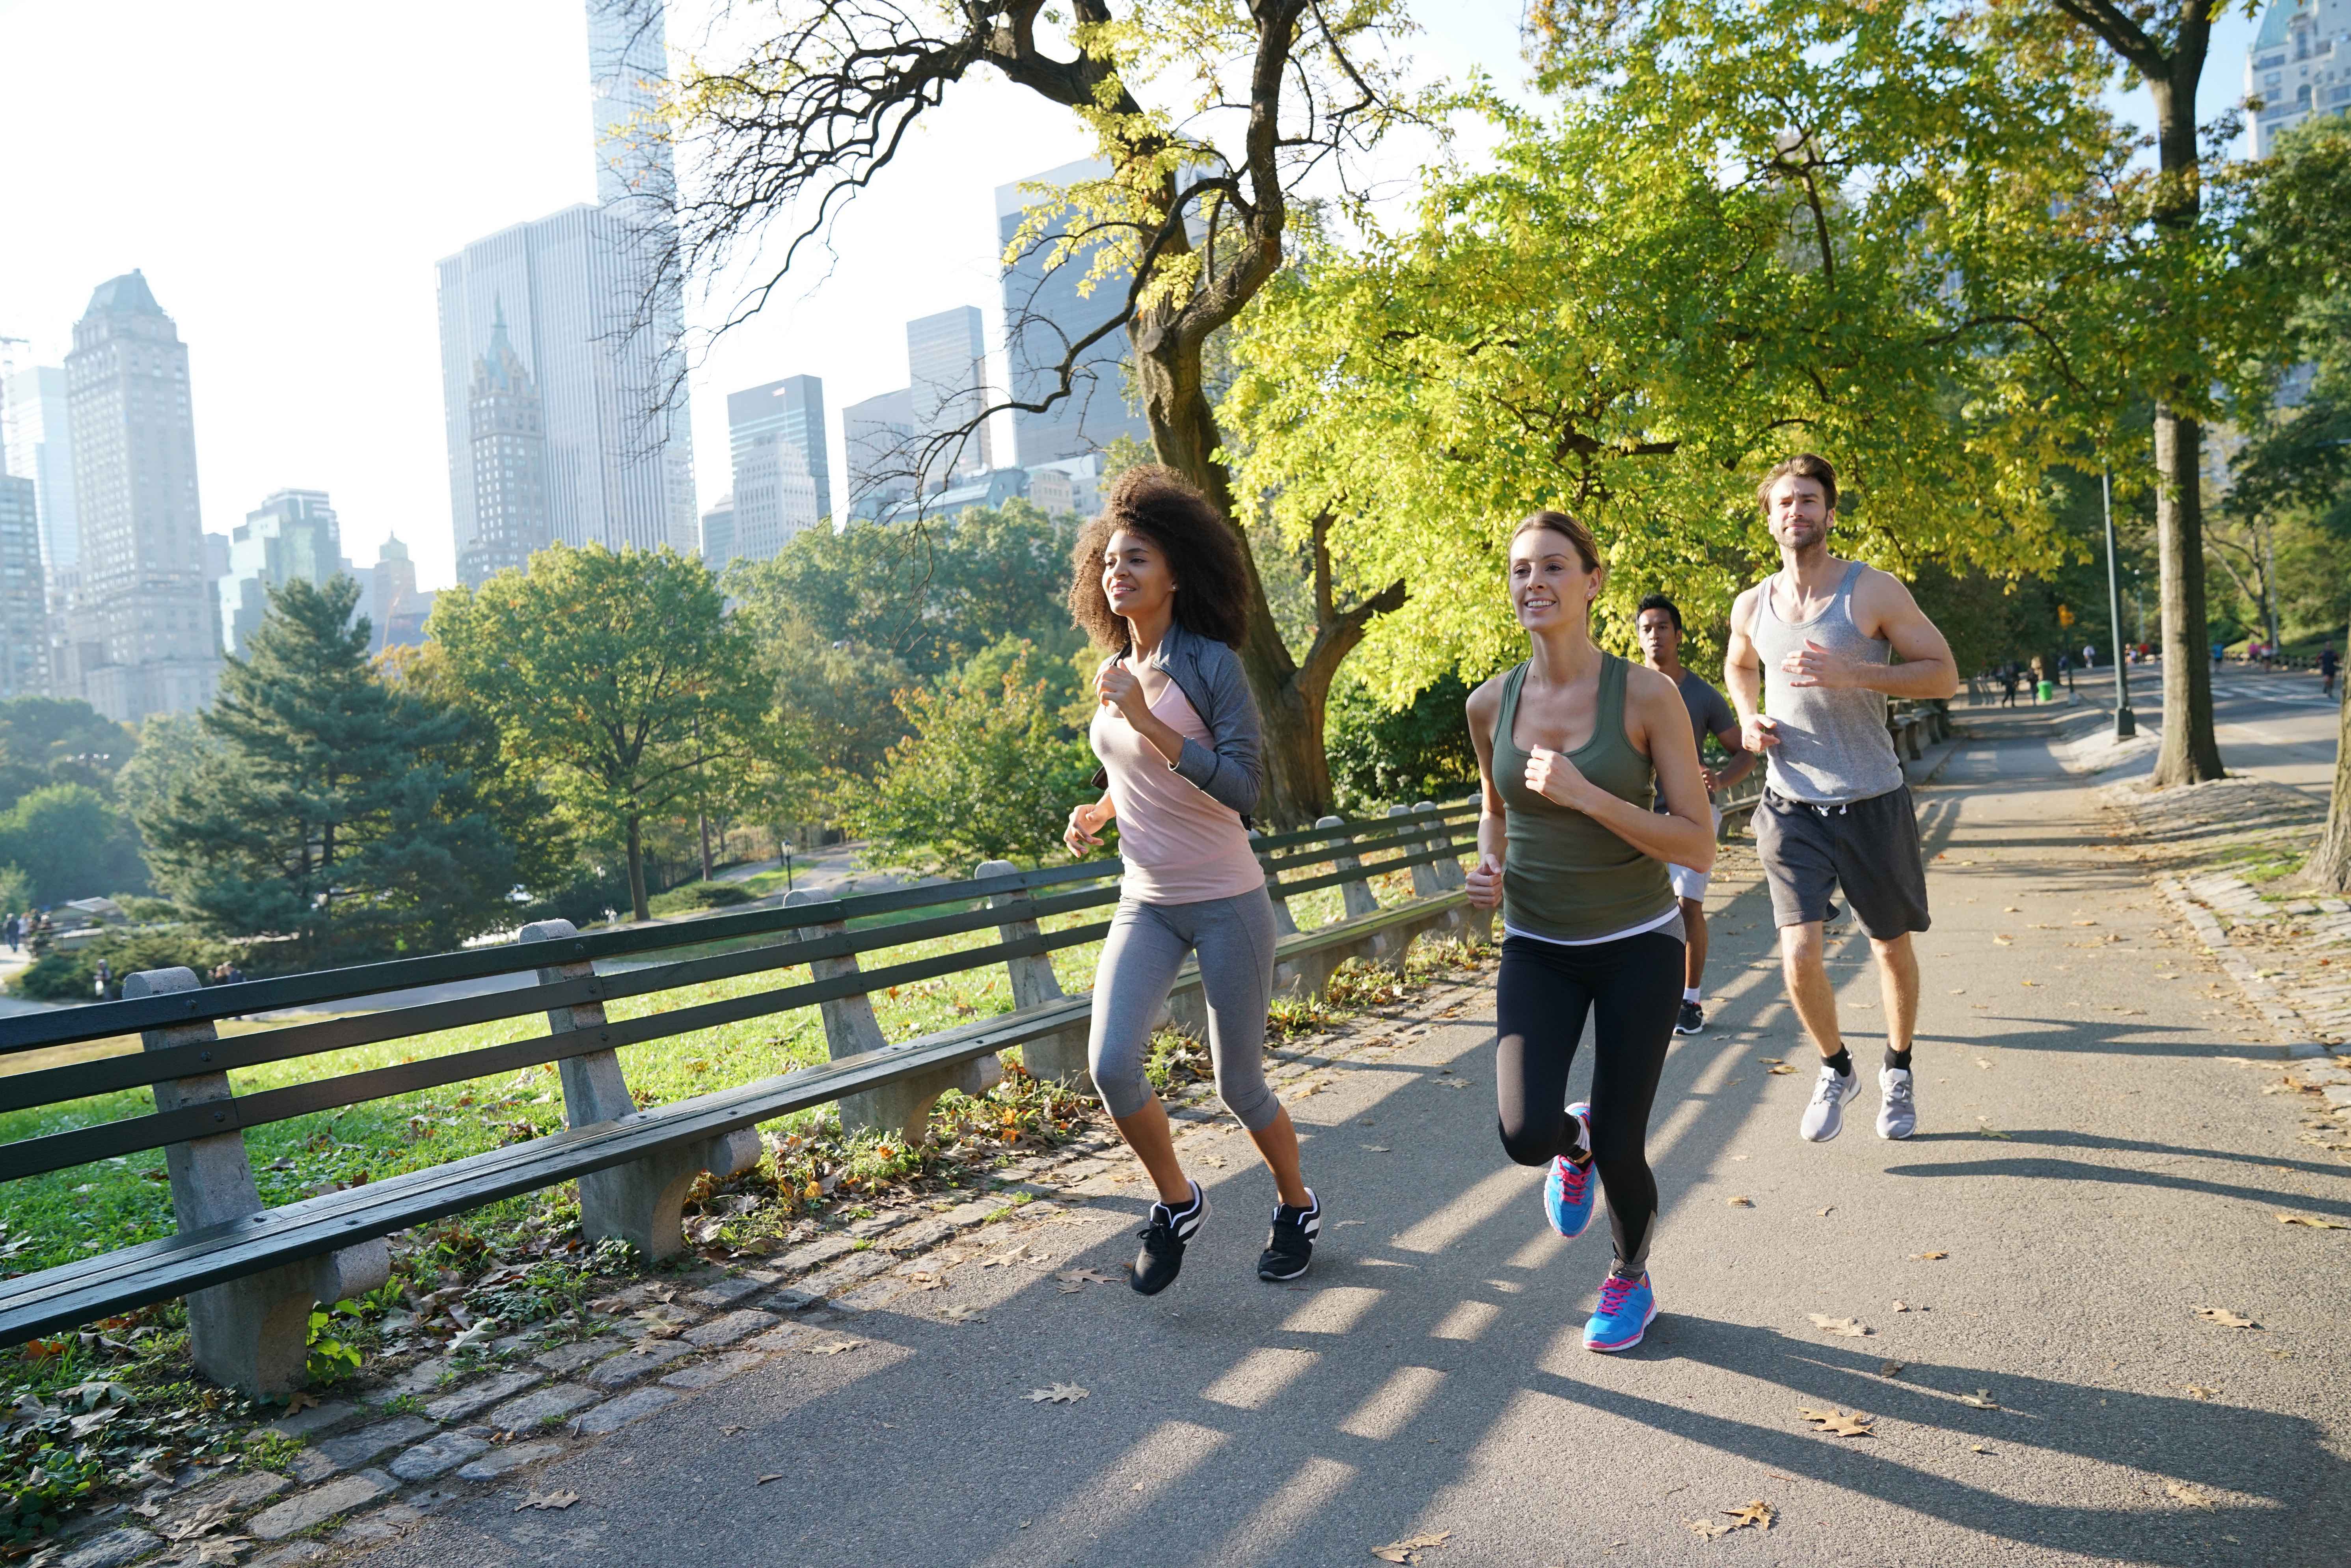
1900	1059
1841	1061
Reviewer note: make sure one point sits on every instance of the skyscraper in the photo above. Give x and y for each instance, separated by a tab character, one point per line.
395	609
718	533
2297	67
508	427
293	533
594	314
140	638
1044	315
946	364
878	433
23	606
38	438
792	409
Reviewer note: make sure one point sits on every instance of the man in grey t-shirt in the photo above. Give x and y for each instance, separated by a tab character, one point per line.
1660	622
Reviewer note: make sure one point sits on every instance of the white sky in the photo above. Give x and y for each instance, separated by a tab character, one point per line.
287	181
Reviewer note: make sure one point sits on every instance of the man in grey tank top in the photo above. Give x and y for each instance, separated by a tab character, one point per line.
1809	670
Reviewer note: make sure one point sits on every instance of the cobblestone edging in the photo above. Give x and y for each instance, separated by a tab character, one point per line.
372	1466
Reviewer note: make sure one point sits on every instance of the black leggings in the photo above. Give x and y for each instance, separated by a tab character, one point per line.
1541	998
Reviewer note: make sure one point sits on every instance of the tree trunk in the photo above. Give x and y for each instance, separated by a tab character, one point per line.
2330	862
1184	436
637	907
702	820
2190	753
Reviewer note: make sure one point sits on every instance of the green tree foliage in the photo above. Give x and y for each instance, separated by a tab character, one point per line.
71	842
70	974
1745	231
1383	755
989	773
45	741
614	679
314	814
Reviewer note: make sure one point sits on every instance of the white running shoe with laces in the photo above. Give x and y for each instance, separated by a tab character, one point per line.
1825	1112
1898	1107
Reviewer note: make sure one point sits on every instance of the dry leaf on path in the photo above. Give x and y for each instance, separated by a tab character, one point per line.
835	1348
1707	1529
555	1499
221	1549
1059	1393
2225	1318
1740	1202
1086	1276
1839	1423
964	1315
773	1475
1892	1369
301	1399
1978	1449
1783	1069
2317	1222
1931	1257
1901	1306
1409	1548
1829	1210
1980	1399
1756	1515
2197	1391
209	1518
1851	1328
2187	1494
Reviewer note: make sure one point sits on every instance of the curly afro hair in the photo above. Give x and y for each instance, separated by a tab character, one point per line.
1202	548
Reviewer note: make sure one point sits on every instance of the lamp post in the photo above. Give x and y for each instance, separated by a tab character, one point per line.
2126	722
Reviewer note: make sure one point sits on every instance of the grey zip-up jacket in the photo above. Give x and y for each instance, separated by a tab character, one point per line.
1228	770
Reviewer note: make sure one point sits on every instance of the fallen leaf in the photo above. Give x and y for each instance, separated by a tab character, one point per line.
1901	1306
1892	1369
1780	1071
2197	1391
2086	923
1980	1399
778	1476
1084	1276
1978	1449
1990	1131
1851	1328
1757	1514
1375	1148
835	1348
301	1399
2187	1494
1742	1202
2317	1222
964	1315
1830	1210
1707	1529
221	1549
2225	1318
1838	1423
1931	1257
1770	1059
2005	941
1409	1548
555	1499
204	1520
1059	1393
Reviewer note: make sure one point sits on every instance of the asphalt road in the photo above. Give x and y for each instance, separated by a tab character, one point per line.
2094	1163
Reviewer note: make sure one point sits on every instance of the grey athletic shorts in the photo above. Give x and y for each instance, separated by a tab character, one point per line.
1868	848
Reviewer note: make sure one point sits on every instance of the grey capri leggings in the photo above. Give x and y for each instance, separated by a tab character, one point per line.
1147	942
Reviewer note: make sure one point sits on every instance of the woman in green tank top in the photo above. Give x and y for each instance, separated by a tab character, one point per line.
1571	745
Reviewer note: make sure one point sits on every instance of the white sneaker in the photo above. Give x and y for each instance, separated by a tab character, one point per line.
1824	1114
1897	1110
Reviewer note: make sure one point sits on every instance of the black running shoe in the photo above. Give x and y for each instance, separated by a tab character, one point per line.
1692	1022
1290	1250
1162	1255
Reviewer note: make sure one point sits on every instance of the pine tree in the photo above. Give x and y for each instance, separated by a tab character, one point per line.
318	815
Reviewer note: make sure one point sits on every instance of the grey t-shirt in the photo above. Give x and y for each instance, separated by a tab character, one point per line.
1709	714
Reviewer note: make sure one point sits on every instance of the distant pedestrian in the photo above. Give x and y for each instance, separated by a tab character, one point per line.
105	979
2329	661
2065	671
1573	745
2007	684
13	929
2089	655
1161	579
1814	644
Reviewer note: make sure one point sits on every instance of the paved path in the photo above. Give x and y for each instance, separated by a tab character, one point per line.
2092	1158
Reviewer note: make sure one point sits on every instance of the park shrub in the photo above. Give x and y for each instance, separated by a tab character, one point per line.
696	896
70	974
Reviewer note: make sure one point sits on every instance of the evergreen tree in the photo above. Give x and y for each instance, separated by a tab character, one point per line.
318	813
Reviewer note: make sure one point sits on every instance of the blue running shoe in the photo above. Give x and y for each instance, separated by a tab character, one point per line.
1627	1307
1567	1190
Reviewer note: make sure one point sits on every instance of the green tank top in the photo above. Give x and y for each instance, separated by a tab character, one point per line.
1565	876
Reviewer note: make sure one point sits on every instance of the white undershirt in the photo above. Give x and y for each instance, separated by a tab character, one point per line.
1667	918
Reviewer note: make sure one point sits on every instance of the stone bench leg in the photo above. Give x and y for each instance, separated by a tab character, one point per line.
852	1029
250	1334
641	1202
1356	892
1284	923
1449	874
1058	1057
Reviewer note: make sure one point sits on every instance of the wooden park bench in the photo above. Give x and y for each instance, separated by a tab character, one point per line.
253	1274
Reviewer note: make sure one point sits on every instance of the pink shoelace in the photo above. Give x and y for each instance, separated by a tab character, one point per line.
1572	1177
1612	1291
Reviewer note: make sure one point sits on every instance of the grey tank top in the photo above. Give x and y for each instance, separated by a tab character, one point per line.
1834	749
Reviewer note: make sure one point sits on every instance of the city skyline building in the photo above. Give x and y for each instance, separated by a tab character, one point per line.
396	608
37	444
24	600
793	409
1045	315
947	378
877	434
595	315
140	638
775	497
292	534
2299	66
506	423
718	533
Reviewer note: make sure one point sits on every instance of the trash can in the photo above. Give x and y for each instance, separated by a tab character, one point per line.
2045	692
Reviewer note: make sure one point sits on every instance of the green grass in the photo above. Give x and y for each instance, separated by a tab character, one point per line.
69	1214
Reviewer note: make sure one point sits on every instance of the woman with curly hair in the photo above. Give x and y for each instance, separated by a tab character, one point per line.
1160	581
